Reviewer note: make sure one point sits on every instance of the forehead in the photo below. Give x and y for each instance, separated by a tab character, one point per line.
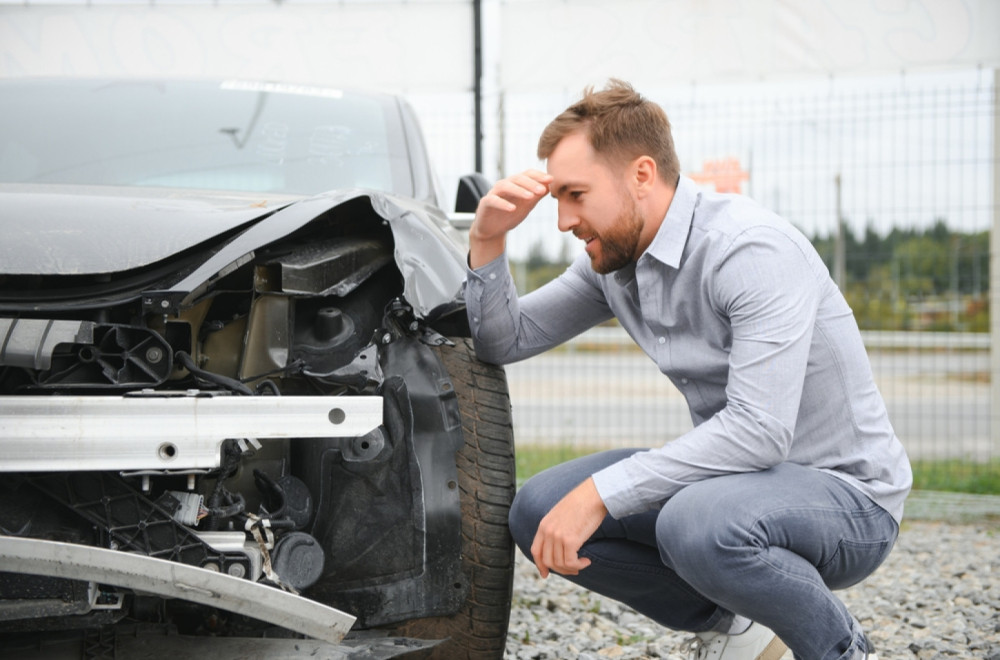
573	148
574	162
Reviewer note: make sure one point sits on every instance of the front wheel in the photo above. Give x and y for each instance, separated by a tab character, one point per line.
486	480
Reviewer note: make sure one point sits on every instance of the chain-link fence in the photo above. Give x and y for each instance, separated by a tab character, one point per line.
892	180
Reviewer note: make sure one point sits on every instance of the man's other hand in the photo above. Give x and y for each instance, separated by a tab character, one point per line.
564	530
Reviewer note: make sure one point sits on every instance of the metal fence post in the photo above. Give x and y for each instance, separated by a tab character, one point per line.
995	278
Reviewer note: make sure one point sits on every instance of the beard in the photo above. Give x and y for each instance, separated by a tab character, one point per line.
620	243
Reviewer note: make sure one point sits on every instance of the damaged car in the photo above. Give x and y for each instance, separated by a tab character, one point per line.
240	413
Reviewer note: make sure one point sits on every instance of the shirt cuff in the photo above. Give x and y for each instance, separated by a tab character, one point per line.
489	271
612	485
478	285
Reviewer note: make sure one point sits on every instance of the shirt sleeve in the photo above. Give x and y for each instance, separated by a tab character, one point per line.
507	328
768	288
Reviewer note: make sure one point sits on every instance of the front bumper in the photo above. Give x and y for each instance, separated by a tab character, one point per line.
173	580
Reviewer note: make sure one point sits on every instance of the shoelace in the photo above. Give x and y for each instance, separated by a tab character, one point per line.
695	648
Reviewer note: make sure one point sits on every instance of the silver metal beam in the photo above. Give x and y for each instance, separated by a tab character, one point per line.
163	647
141	643
172	580
67	433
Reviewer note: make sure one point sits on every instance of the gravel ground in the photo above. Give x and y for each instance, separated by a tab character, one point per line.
937	596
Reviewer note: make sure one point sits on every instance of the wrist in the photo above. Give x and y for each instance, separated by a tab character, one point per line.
591	499
476	234
483	250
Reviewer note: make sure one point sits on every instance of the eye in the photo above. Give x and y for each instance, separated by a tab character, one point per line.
575	194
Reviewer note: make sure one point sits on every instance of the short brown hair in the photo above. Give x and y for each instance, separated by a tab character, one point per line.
621	126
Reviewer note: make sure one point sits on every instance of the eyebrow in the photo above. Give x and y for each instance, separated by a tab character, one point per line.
566	186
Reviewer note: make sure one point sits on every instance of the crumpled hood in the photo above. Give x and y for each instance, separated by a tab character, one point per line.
78	230
63	230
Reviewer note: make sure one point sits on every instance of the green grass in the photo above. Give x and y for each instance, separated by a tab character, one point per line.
957	476
952	475
533	459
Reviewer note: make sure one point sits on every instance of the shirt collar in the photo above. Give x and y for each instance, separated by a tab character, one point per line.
668	244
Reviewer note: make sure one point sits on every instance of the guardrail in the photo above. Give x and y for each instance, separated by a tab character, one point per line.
614	336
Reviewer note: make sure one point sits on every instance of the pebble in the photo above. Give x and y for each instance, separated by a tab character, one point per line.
937	597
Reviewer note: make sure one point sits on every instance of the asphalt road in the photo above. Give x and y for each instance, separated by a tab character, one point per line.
939	402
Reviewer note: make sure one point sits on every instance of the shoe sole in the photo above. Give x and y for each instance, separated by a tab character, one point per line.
774	650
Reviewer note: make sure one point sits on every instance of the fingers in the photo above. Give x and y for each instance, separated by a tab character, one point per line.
553	554
495	199
565	528
519	192
558	558
533	181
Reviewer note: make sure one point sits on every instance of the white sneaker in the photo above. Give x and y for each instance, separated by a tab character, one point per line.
757	643
870	654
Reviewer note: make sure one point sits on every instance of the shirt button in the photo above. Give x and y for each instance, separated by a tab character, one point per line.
493	276
475	319
684	381
662	340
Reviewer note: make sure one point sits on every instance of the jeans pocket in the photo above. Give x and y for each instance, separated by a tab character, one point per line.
853	562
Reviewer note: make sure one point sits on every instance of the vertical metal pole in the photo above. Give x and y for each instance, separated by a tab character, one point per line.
839	253
477	83
995	278
501	163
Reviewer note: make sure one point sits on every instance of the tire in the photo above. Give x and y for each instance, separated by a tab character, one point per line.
486	479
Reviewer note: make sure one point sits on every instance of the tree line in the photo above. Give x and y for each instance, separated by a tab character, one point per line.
931	279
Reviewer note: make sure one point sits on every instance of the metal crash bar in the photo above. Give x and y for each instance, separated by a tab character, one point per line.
164	432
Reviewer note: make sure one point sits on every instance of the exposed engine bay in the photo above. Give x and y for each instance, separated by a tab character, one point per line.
272	405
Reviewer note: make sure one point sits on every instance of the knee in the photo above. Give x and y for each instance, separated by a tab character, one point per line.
526	512
693	532
544	490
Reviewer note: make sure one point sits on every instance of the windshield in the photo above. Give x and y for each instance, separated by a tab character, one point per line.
235	136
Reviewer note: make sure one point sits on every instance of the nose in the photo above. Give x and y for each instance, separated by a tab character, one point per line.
567	220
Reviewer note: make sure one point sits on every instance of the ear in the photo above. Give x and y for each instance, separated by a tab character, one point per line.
643	174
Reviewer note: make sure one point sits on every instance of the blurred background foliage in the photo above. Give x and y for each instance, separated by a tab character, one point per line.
932	279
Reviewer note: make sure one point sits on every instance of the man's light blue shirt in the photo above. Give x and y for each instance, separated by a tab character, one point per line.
735	306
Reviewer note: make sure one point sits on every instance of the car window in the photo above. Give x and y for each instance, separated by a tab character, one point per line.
237	136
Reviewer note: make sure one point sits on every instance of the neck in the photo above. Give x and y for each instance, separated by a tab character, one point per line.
654	212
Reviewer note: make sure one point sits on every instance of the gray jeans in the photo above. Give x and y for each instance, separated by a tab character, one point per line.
767	545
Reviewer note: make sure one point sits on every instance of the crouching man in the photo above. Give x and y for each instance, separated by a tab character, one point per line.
791	483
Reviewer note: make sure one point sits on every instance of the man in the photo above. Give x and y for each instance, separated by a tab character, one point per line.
791	482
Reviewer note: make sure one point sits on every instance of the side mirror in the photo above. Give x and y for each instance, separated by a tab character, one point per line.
471	188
